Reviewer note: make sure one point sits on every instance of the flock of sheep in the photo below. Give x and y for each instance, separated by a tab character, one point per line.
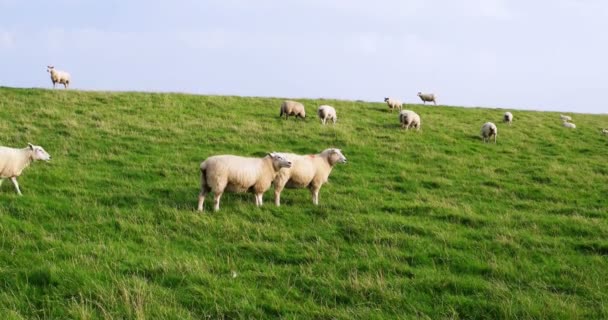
233	173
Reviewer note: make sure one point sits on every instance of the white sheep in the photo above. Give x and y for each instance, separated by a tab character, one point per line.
569	125
487	131
393	103
508	117
605	131
326	112
409	119
427	97
58	76
307	171
238	174
13	161
565	118
292	108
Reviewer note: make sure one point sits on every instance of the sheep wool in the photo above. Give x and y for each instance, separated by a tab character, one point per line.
326	112
508	117
307	171
488	130
13	161
292	108
409	119
565	118
427	97
569	125
238	174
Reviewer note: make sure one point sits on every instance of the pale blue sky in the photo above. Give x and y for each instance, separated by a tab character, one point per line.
543	54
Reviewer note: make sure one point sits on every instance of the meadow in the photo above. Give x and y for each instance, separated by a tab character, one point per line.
417	225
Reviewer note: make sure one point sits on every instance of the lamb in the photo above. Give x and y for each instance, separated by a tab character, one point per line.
292	108
326	112
13	161
58	76
565	118
409	119
393	103
238	174
569	125
488	130
308	171
508	117
427	97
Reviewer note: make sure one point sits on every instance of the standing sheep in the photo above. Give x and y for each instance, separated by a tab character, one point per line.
393	103
326	112
60	77
488	130
292	108
569	125
409	119
238	174
427	97
508	117
13	161
308	171
565	118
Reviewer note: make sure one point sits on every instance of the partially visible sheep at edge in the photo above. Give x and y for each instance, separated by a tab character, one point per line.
307	171
393	103
508	117
409	119
565	118
292	108
13	161
569	125
58	76
488	130
326	112
427	97
238	174
605	131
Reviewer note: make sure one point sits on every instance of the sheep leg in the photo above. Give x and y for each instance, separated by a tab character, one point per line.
258	199
314	192
277	195
1	181
216	200
14	180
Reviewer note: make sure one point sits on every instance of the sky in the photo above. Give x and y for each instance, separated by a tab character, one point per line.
534	55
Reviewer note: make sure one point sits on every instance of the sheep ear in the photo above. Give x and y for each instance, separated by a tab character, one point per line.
30	145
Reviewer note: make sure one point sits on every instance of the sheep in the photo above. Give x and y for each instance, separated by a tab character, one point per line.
409	119
508	117
487	131
13	161
238	174
605	131
326	112
308	171
569	125
58	76
427	97
565	118
292	108
393	104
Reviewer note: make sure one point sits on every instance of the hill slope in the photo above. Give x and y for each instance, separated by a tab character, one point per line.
431	225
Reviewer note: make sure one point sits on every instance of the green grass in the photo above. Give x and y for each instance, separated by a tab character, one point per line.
428	225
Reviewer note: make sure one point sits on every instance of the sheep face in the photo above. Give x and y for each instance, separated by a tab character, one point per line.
50	69
336	156
386	99
38	153
279	161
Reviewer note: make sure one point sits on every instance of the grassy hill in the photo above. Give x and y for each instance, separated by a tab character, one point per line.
429	225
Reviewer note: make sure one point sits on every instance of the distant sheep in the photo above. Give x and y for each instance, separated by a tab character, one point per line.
393	103
326	112
238	174
488	130
58	76
427	97
605	131
565	118
292	108
569	125
13	161
307	171
409	119
508	117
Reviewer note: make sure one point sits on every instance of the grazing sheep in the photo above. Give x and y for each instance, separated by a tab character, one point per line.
238	174
569	125
13	161
565	118
409	119
488	130
326	112
292	108
393	103
605	131
60	77
508	117
308	171
427	97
